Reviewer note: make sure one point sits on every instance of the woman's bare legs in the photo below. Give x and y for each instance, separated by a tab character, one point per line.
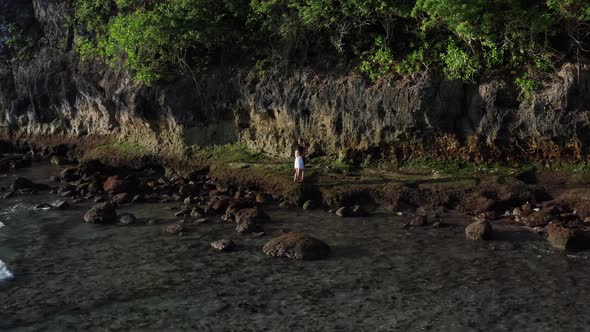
301	175
296	176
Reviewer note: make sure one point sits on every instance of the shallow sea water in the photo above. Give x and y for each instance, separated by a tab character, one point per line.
69	275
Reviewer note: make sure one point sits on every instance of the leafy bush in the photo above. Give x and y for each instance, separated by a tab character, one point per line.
464	39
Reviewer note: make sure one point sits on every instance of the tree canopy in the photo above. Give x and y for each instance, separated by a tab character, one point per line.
464	39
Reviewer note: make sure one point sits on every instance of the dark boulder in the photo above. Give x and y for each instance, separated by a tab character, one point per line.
175	229
419	221
536	218
223	245
121	198
103	213
218	205
117	185
296	245
479	230
127	219
570	239
21	183
250	220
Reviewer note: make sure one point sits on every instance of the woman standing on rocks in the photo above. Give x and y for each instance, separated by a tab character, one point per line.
302	149
299	167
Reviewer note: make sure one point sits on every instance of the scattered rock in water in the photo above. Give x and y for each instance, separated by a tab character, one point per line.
59	160
536	219
63	205
99	199
236	205
188	189
587	220
310	205
175	229
138	199
344	212
419	221
103	213
262	198
201	221
183	213
69	174
21	183
127	219
43	206
569	239
223	245
526	209
439	224
359	211
121	198
351	211
258	235
249	220
479	230
218	205
198	212
296	245
116	185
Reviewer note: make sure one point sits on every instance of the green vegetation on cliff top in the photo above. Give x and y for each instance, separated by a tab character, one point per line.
464	39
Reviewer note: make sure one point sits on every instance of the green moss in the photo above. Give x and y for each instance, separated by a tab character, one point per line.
227	154
121	150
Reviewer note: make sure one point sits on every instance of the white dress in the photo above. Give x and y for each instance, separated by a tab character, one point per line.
299	163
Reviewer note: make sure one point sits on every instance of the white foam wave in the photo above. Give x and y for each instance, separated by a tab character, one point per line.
5	273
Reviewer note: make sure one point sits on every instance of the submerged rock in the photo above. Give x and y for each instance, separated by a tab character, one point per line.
175	229
127	219
223	245
296	245
479	230
103	213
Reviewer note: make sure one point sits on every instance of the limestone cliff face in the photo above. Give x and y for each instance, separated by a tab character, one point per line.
52	93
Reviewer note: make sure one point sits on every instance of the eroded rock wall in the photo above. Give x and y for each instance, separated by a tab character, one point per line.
53	93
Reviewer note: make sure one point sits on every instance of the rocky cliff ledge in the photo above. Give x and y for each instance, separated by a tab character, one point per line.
49	96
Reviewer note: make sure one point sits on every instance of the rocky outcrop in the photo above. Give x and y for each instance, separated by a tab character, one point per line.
53	97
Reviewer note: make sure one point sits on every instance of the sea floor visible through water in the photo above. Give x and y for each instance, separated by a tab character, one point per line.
69	275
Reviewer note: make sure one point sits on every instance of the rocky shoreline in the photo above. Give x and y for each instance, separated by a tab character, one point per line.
207	195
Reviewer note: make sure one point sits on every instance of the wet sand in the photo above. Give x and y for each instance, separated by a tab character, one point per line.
74	276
